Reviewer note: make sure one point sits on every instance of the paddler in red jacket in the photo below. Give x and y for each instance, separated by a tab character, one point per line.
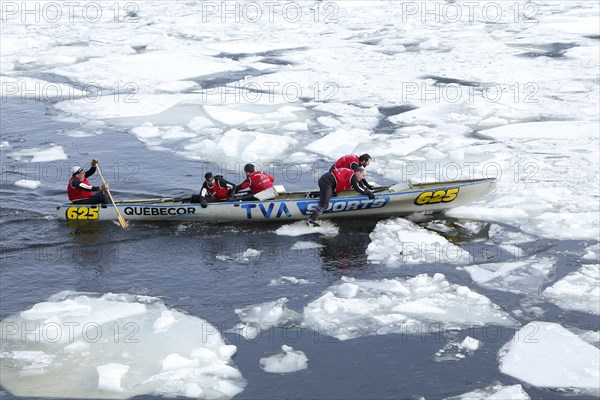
257	181
81	191
353	162
334	182
217	188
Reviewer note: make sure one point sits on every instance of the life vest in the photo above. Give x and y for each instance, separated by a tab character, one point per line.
343	179
260	181
76	193
217	191
347	161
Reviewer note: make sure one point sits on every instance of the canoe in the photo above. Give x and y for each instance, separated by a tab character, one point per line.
395	200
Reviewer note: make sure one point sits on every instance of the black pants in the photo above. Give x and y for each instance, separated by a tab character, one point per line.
326	190
97	198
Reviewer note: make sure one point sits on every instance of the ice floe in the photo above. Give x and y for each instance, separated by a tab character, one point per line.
247	256
356	308
289	361
300	228
265	315
397	242
288	280
547	355
579	291
121	345
28	184
457	350
526	276
495	392
52	153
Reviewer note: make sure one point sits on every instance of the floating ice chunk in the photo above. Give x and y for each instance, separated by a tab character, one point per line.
517	277
245	257
565	225
300	228
251	47
547	355
29	359
470	343
110	376
508	215
495	392
545	130
162	323
303	245
580	290
288	280
397	242
592	252
338	143
65	308
398	147
52	153
365	307
174	361
454	350
105	107
286	362
176	86
146	69
24	87
492	122
246	145
109	347
28	184
198	124
272	313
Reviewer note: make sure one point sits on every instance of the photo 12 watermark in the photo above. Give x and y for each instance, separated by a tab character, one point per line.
515	92
251	92
24	90
269	11
53	172
60	12
51	332
450	12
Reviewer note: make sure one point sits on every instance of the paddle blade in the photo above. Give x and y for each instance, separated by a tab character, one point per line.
122	222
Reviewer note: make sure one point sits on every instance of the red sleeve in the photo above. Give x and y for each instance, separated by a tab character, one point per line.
243	185
271	178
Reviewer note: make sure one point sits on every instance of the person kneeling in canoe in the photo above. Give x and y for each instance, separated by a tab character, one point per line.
79	189
217	188
257	181
354	162
334	182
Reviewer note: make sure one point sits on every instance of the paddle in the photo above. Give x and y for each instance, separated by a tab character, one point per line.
122	221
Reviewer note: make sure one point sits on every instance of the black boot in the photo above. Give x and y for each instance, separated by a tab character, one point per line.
312	220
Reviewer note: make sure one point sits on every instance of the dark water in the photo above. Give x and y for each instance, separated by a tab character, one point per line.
177	262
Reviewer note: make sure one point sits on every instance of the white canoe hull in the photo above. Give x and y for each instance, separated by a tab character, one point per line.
396	200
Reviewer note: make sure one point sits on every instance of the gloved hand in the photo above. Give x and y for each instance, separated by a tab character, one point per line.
104	187
370	194
94	162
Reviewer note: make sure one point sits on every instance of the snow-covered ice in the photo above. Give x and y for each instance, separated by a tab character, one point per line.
547	355
407	306
495	392
398	242
122	345
289	361
526	276
580	290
